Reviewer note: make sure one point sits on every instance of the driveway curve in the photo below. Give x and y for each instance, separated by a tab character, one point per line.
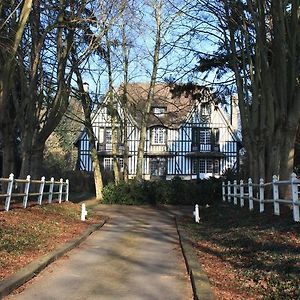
136	255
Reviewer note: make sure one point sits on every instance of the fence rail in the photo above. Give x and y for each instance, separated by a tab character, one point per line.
240	191
59	188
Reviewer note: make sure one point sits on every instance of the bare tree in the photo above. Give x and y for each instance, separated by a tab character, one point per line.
157	10
257	41
13	19
86	105
112	105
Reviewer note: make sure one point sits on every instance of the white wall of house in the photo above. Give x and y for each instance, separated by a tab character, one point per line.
175	148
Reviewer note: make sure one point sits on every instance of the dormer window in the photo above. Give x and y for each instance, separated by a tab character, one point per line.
205	112
159	111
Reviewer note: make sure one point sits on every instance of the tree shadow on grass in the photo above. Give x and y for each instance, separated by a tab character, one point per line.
259	246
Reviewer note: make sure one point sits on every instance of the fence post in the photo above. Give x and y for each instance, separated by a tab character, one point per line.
250	192
197	213
26	191
275	196
61	183
223	191
261	195
51	186
294	187
83	212
228	191
242	192
67	189
41	191
9	191
235	192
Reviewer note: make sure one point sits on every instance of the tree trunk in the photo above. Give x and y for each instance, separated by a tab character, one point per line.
97	173
37	159
8	150
26	150
140	153
113	111
143	128
126	149
287	153
86	106
125	99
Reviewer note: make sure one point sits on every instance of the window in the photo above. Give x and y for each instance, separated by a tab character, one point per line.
108	164
215	137
201	139
205	113
194	166
158	166
101	135
153	168
205	135
159	111
158	135
209	166
195	136
108	135
203	165
216	167
121	163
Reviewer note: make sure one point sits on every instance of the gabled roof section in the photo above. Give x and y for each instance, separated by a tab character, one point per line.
177	105
229	126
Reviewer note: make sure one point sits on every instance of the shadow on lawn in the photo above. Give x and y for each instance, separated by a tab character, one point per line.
258	246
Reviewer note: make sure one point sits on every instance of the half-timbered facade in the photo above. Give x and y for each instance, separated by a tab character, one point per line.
186	136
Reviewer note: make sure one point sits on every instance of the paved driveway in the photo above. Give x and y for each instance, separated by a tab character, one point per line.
136	255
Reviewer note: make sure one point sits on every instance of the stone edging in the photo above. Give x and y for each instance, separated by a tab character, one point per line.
199	280
32	269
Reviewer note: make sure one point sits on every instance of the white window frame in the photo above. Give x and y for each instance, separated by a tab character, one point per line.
159	111
108	135
205	166
121	163
209	166
205	112
101	135
205	136
202	165
158	136
108	163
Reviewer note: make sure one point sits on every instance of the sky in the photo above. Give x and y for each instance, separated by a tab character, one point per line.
177	60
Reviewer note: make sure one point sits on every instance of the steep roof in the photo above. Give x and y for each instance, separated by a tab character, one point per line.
177	105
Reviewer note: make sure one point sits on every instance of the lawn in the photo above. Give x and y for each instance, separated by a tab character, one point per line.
247	255
26	234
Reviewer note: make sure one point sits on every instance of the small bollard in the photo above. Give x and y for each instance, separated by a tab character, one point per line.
197	213
83	212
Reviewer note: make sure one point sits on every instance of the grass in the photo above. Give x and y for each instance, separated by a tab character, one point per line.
259	254
26	234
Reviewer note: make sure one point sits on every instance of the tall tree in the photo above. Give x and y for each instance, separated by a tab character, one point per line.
124	100
45	95
258	41
87	105
112	105
13	19
157	10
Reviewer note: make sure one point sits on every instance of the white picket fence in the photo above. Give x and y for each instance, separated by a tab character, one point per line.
12	184
239	192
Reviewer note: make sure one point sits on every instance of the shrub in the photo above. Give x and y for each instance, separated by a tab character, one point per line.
176	191
125	193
